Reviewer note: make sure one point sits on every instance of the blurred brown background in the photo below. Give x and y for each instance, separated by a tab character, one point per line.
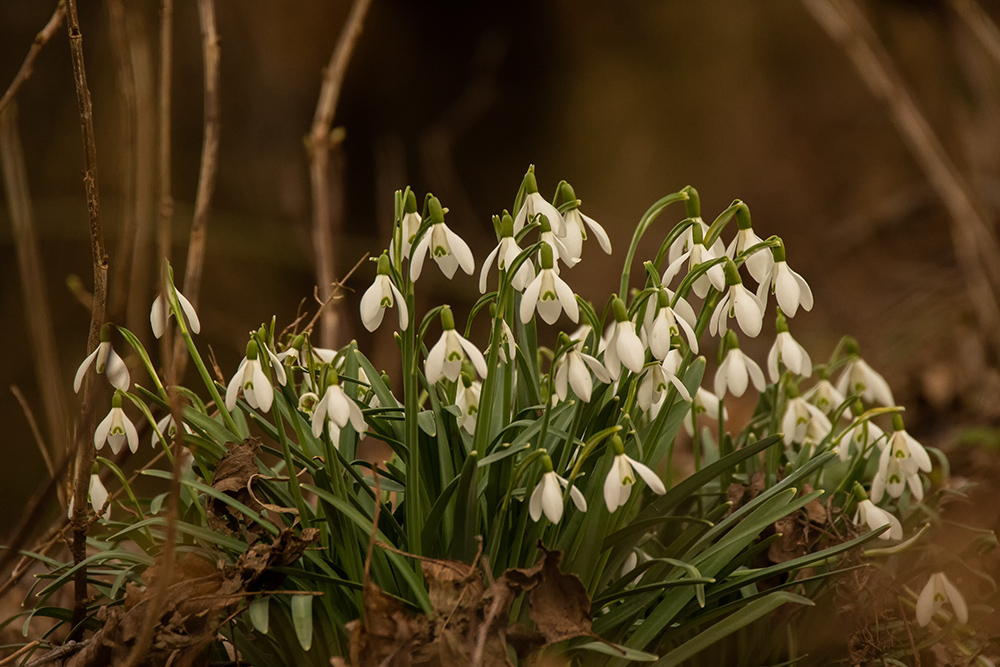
628	101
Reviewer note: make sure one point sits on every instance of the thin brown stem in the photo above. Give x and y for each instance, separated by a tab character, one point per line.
981	25
39	440
166	213
118	29
318	145
84	448
41	39
975	243
36	299
209	168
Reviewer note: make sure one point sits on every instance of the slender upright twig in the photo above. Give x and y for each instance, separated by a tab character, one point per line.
85	452
36	298
120	279
41	39
975	242
209	167
166	213
318	145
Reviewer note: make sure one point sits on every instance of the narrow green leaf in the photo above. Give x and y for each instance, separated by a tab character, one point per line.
618	651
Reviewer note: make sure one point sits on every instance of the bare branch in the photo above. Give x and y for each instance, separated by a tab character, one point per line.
318	145
41	39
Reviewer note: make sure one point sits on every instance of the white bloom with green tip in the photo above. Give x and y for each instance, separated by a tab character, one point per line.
505	254
381	295
467	401
445	246
535	205
736	371
107	362
160	313
858	377
116	429
624	347
662	322
935	593
621	477
738	302
790	289
549	294
786	350
444	360
251	379
335	411
547	497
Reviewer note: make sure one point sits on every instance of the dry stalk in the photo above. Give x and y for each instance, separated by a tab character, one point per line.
975	242
84	448
39	441
166	213
981	25
36	299
41	39
209	168
118	30
318	145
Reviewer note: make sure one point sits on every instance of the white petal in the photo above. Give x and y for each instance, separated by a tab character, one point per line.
435	361
82	370
749	312
262	390
404	313
756	374
786	289
567	299
805	294
925	602
535	503
648	476
530	298
233	389
579	379
612	487
552	501
117	371
158	317
602	236
630	348
371	305
737	378
419	255
722	376
597	367
101	433
577	497
956	599
772	360
98	494
131	435
486	268
475	356
460	249
193	322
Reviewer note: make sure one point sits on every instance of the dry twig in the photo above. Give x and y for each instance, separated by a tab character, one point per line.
36	299
318	145
209	167
41	39
975	243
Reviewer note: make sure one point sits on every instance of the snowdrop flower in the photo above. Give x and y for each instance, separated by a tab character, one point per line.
760	263
505	253
902	457
621	477
559	249
116	429
859	377
736	371
251	379
825	396
161	312
697	255
571	369
547	496
534	205
787	351
467	401
686	240
936	592
804	423
98	495
574	221
409	226
549	294
875	517
624	346
861	436
336	410
706	403
654	385
445	358
445	246
789	287
381	295
168	428
307	402
108	362
740	302
661	323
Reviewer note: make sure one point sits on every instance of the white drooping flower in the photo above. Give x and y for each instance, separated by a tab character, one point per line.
737	302
621	477
572	370
251	379
335	411
706	403
547	496
467	401
108	362
624	346
875	518
168	428
804	423
307	402
736	371
861	436
859	377
574	222
505	254
409	226
381	295
899	464
549	294
445	246
825	396
161	313
535	205
662	322
760	262
685	241
445	358
116	429
696	255
936	592
790	289
787	351
655	381
97	494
